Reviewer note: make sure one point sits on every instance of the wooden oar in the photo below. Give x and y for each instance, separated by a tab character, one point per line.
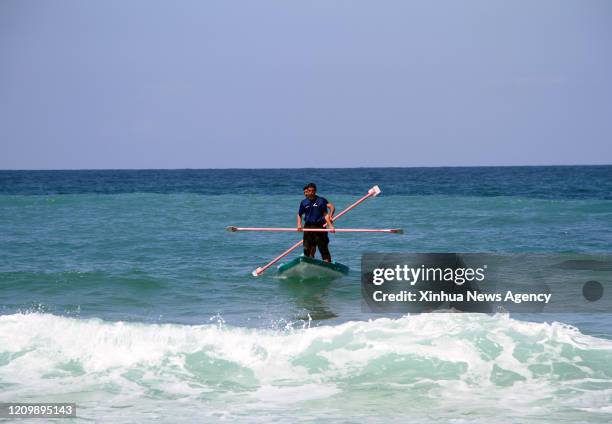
373	192
321	230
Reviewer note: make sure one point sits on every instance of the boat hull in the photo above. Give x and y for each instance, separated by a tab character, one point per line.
305	268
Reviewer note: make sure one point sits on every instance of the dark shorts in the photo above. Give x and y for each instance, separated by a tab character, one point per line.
314	240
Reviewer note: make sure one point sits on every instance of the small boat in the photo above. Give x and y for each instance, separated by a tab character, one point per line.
305	268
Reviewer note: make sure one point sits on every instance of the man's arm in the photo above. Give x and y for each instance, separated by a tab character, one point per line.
329	216
299	217
332	209
329	222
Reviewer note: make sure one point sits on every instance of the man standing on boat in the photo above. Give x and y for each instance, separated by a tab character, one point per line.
316	215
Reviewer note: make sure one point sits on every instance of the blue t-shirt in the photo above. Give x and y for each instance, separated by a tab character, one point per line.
314	210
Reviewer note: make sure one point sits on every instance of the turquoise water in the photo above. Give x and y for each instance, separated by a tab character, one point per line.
122	291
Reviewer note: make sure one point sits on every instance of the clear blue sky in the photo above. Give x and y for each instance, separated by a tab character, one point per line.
217	84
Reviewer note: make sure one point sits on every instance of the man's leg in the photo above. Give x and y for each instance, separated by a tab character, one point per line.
310	245
322	244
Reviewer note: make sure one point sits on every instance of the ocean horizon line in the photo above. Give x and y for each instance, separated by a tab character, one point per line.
302	168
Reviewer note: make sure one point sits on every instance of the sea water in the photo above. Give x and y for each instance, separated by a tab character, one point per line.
122	291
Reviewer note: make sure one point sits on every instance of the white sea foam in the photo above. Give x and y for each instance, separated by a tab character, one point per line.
456	363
